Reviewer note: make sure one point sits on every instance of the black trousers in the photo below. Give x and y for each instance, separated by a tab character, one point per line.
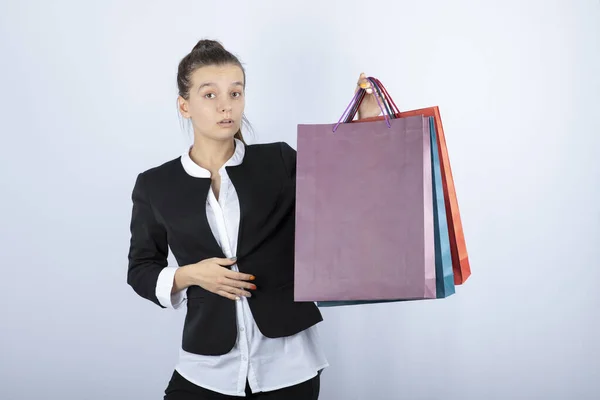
180	388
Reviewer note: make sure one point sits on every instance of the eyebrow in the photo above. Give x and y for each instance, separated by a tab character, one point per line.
236	83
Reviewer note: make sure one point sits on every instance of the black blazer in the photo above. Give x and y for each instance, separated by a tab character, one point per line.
168	210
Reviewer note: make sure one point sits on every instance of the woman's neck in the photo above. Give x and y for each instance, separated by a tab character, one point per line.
211	154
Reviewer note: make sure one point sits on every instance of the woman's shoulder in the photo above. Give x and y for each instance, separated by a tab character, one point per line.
272	149
275	154
163	169
160	175
268	146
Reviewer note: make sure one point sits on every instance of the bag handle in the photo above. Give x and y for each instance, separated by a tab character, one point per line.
388	98
357	99
353	101
376	87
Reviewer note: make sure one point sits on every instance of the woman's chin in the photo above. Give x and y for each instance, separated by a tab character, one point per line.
221	134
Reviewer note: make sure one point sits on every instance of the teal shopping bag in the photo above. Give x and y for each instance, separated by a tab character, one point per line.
443	258
444	276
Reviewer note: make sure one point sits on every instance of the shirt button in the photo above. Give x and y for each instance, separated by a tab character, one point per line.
244	358
242	329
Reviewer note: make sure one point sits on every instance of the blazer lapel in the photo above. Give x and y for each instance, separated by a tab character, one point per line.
188	214
258	195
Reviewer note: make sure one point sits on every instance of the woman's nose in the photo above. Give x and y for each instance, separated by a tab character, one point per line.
226	106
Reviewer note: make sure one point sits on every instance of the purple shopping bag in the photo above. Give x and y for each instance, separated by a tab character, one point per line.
364	211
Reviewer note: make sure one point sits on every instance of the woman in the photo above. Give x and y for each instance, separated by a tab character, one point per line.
226	209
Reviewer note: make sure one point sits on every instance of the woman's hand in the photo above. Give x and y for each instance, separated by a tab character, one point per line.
369	107
212	275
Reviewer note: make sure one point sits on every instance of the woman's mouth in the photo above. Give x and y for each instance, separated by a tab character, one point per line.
225	123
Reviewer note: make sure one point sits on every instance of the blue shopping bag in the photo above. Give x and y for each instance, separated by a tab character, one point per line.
444	276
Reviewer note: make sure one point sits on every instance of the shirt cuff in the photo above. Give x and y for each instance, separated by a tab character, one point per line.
164	285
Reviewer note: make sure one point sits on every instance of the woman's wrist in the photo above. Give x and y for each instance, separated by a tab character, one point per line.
182	279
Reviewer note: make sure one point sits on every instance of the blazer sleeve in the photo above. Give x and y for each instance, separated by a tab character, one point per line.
288	155
148	250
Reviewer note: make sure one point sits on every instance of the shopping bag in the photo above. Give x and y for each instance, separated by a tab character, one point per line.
458	249
444	275
364	211
443	259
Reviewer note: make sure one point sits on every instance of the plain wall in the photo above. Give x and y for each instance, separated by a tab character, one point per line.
88	100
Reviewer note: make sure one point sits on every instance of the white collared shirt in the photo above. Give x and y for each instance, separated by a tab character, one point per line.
268	364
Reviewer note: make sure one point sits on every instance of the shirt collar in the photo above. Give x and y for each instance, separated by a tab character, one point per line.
197	171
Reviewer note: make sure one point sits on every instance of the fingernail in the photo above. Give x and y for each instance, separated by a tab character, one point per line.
253	287
237	298
233	258
252	278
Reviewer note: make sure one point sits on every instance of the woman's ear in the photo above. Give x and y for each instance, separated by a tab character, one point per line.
183	107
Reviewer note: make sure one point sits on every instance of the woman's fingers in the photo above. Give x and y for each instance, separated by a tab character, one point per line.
239	276
364	83
233	293
227	295
237	284
233	285
234	288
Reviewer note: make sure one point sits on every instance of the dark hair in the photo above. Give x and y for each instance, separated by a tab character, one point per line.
205	53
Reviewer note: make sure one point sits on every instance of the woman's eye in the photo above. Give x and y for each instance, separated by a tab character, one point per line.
210	95
236	94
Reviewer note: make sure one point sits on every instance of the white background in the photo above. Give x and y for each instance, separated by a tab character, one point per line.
88	100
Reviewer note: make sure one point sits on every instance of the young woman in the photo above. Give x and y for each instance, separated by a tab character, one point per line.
226	210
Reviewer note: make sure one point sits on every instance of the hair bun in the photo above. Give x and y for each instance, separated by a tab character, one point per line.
207	45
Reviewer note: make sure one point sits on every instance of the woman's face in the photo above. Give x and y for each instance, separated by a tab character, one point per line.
216	101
